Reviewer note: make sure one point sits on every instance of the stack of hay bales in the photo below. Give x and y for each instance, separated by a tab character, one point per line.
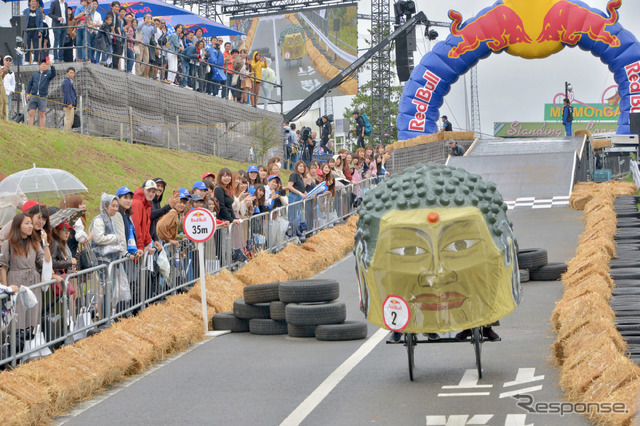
588	349
427	139
39	390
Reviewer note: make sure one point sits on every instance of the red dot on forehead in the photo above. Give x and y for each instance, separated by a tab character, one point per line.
433	217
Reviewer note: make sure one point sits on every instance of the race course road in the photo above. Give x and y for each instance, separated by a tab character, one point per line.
298	81
242	379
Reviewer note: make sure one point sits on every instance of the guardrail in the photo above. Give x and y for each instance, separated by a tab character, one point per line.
95	297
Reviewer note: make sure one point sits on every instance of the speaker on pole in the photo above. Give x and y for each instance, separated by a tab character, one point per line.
634	121
405	47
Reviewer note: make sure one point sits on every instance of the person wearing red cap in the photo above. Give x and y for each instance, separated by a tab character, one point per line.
319	176
209	177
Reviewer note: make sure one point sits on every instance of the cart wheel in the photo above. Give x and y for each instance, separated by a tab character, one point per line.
477	344
410	343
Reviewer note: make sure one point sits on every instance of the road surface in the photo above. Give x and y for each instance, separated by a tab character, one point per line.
243	379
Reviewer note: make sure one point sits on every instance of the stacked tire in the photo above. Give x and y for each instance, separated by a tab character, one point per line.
625	271
306	308
535	266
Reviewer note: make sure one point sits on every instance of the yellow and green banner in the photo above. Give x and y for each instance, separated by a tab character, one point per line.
590	112
516	129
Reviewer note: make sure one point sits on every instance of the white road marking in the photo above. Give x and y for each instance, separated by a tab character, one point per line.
520	391
469	381
459	420
524	375
516	420
464	394
320	393
125	384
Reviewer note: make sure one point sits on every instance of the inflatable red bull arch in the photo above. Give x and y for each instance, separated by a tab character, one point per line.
531	30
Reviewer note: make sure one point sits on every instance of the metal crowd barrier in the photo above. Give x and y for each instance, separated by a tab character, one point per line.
95	297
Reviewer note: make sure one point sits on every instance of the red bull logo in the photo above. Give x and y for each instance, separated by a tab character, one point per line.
500	27
395	305
567	22
563	22
198	214
633	75
422	98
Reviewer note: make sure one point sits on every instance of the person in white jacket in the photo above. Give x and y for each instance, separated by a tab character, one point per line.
9	85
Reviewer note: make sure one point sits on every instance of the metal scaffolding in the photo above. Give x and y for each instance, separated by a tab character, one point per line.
475	102
271	7
381	73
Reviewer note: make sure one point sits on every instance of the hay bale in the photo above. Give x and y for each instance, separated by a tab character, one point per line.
65	383
626	394
320	254
32	394
580	369
594	284
297	262
141	351
601	143
262	269
618	372
570	315
189	305
226	289
13	412
578	277
150	332
597	331
209	294
183	328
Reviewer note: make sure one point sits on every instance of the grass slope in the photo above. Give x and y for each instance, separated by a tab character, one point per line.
103	165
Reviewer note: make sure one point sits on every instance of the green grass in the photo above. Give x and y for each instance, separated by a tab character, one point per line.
103	165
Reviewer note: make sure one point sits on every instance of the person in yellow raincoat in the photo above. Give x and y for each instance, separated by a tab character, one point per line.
257	64
435	253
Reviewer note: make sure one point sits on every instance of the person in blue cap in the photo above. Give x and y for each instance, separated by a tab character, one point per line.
252	173
197	202
122	221
167	227
200	189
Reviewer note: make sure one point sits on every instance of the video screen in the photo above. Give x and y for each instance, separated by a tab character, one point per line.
306	49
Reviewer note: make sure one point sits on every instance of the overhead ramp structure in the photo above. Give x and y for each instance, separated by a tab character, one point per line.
530	173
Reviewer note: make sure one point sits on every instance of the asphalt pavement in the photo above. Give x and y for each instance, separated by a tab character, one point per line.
243	379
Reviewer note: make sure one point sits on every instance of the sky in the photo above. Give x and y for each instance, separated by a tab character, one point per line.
510	88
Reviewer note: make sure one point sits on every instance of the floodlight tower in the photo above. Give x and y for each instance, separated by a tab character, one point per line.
381	73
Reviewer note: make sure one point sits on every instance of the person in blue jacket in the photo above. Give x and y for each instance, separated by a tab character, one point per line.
216	61
189	54
35	19
38	90
69	98
567	117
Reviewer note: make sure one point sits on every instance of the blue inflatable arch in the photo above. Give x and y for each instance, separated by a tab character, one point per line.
494	30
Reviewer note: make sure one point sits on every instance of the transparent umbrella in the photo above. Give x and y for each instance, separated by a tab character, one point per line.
46	183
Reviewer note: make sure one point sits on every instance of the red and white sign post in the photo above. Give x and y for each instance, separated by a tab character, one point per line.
199	225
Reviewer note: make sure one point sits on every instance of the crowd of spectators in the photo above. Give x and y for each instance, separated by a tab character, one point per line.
148	47
132	223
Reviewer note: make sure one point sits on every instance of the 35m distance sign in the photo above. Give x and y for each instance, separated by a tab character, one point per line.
199	225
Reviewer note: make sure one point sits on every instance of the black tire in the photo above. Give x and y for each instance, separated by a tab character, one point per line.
625	263
627	225
476	339
255	311
625	273
634	215
628	314
327	313
267	327
261	293
309	291
410	343
348	330
301	330
532	258
228	321
627	234
549	272
625	291
276	310
524	275
626	283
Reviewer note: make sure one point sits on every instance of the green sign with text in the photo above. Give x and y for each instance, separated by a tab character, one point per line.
516	129
591	112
